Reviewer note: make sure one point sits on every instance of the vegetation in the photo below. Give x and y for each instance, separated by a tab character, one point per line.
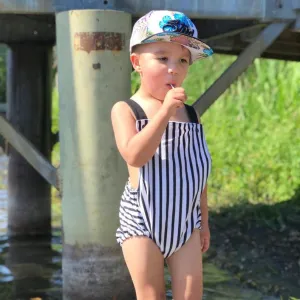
252	130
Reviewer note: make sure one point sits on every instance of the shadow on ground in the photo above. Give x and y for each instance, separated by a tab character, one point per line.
260	245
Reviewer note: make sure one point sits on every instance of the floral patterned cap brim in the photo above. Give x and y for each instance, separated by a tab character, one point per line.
198	49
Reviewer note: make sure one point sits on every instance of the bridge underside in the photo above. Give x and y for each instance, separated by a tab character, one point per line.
227	36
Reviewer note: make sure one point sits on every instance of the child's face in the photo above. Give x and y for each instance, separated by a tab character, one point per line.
161	64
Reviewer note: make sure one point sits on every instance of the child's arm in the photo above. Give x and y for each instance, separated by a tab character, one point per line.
205	232
203	202
204	207
137	148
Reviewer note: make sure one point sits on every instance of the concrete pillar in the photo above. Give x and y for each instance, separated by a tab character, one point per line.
93	73
29	111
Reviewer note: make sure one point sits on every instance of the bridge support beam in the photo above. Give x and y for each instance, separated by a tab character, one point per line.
93	73
254	50
29	112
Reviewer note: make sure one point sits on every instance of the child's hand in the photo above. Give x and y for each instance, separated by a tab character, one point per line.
205	238
174	99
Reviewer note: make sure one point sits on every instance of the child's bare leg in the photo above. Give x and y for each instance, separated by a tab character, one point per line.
146	267
186	270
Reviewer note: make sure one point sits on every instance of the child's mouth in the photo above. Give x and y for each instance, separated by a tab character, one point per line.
171	85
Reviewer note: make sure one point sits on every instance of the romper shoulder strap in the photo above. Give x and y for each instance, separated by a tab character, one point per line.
191	113
137	109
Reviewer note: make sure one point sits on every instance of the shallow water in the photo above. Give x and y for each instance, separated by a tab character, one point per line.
31	269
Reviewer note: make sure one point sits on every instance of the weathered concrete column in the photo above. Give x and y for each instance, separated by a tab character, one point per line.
29	111
93	73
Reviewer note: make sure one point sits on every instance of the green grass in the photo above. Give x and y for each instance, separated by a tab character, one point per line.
55	125
252	130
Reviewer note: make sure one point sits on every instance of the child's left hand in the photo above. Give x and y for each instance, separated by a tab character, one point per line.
205	238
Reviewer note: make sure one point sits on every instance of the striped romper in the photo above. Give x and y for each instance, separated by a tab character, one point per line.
166	204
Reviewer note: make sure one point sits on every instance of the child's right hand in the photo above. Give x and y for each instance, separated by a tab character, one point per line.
174	99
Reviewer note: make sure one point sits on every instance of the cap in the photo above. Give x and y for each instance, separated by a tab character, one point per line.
169	26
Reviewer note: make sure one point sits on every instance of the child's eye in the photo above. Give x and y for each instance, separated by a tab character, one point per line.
183	60
163	58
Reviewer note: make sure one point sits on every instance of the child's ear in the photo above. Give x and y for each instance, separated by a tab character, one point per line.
135	61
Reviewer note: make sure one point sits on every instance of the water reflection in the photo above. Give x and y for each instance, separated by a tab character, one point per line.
31	269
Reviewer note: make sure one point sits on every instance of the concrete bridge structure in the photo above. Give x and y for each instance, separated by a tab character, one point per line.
92	43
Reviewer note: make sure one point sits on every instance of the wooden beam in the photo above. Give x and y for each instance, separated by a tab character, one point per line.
254	50
16	28
214	9
29	152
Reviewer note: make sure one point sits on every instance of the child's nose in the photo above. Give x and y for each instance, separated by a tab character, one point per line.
173	69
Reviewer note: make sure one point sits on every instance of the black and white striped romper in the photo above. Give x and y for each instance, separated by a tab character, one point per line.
166	205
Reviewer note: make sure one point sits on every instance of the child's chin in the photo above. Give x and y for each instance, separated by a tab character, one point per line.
162	97
159	96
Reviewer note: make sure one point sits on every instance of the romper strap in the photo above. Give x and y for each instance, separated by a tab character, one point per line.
140	113
191	113
137	109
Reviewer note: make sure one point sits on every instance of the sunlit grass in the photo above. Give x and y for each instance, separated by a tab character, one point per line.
252	130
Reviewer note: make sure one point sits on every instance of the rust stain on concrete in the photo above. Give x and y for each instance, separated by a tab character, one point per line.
95	41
